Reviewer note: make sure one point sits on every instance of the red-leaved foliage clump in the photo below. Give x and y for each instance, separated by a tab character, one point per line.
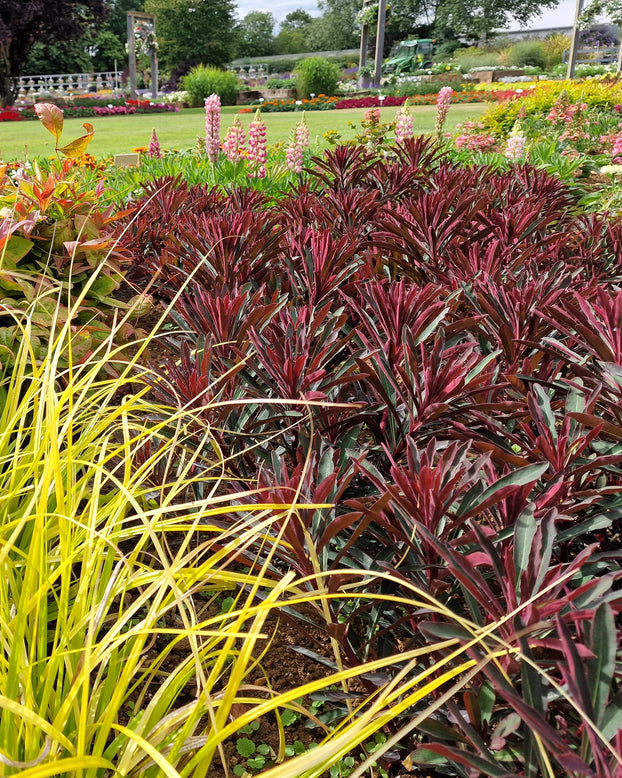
436	353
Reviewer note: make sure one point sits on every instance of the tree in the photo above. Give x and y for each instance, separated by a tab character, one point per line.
476	19
297	20
57	57
26	22
256	34
192	32
293	36
108	49
338	27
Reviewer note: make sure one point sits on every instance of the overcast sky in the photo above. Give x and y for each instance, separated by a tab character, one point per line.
561	16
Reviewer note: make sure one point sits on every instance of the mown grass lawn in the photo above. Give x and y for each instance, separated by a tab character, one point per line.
118	134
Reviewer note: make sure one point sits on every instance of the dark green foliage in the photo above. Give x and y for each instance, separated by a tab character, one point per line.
316	75
203	81
195	31
528	53
26	22
256	35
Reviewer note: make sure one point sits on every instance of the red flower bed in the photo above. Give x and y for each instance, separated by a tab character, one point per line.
70	111
10	115
391	101
501	95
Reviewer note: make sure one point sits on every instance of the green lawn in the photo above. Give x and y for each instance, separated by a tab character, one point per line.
118	134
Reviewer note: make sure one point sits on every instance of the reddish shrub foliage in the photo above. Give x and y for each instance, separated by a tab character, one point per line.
435	352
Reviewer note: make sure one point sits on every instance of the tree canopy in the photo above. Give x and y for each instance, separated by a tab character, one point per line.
26	22
194	31
256	34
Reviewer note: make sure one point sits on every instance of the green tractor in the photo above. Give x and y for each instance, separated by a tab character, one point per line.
410	56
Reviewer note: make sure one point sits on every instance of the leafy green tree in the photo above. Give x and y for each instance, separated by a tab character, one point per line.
106	50
26	22
338	27
194	31
476	19
297	20
256	34
110	39
116	20
293	36
56	57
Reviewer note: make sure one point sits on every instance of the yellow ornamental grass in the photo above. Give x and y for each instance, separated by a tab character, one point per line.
106	571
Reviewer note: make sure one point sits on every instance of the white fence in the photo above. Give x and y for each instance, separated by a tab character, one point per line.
67	84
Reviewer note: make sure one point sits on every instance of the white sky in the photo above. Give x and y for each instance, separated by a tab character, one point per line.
561	16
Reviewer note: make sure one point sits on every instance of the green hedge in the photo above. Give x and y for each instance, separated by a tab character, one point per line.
202	81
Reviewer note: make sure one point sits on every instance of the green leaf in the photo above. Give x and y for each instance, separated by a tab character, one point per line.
256	763
264	749
423	756
600	670
524	533
102	287
520	477
593	523
612	718
486	700
9	283
245	746
289	717
16	248
544	403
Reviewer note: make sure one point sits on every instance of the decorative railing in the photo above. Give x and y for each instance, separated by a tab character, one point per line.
67	84
250	71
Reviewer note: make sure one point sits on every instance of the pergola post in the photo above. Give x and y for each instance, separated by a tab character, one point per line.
574	44
149	21
382	15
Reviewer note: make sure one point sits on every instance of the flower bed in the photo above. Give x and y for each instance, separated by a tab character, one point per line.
319	103
82	112
385	403
373	101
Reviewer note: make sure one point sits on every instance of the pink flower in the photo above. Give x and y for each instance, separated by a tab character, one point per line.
302	132
299	140
443	101
212	127
515	146
477	142
233	145
257	147
154	146
404	123
293	155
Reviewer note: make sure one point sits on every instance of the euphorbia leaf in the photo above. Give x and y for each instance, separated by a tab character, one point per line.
422	756
612	720
520	477
51	117
524	533
600	670
78	146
